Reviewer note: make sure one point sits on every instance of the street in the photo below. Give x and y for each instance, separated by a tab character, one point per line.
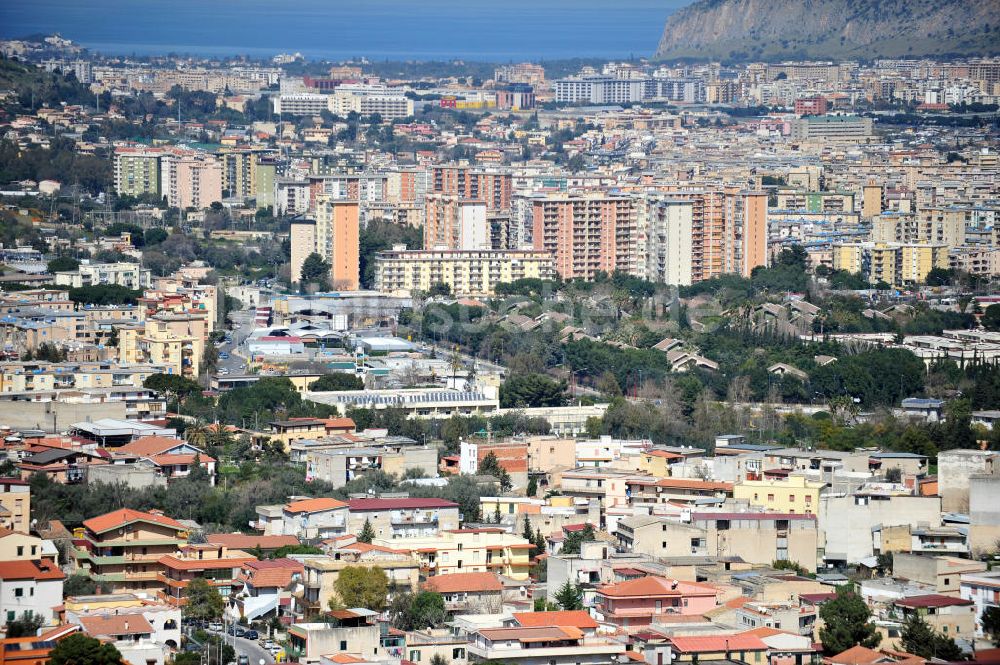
249	648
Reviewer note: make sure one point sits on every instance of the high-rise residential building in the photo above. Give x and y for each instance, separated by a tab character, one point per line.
303	241
524	72
469	183
669	231
871	200
265	175
452	223
817	105
137	171
728	231
466	272
337	239
932	225
588	233
896	264
191	179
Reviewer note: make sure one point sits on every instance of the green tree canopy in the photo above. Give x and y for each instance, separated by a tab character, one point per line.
337	381
847	622
80	649
204	601
531	390
920	639
315	270
367	534
576	538
570	596
417	611
62	264
991	318
490	466
361	586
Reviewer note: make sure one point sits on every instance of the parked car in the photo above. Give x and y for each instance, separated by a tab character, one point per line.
242	659
251	635
215	626
240	631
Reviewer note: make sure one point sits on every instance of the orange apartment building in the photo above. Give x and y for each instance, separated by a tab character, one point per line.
588	233
337	237
472	184
123	548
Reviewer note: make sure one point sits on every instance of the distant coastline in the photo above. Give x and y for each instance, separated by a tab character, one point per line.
334	30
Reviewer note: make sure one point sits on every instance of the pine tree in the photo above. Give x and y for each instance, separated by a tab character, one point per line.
496	514
570	596
527	534
919	638
847	622
532	487
367	532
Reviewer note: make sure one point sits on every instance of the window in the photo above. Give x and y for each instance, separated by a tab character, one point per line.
458	653
809	499
10	616
770	497
343	645
414	655
18	592
20	550
791	497
947	581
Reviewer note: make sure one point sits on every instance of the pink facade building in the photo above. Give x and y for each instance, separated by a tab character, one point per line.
639	603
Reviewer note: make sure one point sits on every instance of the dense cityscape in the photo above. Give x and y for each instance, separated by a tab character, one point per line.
570	362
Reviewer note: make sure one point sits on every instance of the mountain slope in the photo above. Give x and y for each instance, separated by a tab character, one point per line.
774	29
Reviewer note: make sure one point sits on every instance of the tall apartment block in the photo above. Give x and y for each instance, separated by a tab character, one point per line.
137	171
337	237
588	233
472	184
453	223
302	237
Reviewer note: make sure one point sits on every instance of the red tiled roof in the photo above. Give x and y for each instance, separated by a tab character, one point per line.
717	643
314	505
456	582
42	569
932	600
151	445
118	518
362	505
653	585
114	625
857	655
577	618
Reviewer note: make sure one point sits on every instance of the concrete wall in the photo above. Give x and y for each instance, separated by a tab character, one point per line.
56	416
847	521
984	513
954	469
130	475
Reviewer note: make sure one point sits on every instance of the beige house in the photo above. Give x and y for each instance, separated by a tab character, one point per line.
944	573
15	505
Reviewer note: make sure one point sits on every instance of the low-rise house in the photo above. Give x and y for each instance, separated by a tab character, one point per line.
353	631
15	504
983	589
216	564
733	647
942	573
555	645
263	587
640	602
267	545
954	617
322	517
123	548
403	517
467	550
32	649
468	593
173	458
30	585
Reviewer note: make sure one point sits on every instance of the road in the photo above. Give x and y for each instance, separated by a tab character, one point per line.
243	326
252	650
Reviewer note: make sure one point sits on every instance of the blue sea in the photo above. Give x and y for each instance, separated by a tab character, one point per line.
481	30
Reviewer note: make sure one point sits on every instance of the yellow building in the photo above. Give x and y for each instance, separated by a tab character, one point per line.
467	551
915	261
471	272
657	462
794	494
176	341
849	257
15	505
